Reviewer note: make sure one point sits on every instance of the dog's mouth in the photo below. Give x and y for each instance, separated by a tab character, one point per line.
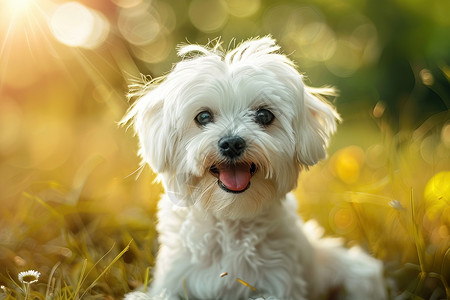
233	178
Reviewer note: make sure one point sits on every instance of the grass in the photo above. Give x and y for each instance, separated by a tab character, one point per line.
88	226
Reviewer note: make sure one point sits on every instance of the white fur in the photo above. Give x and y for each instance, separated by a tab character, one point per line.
255	236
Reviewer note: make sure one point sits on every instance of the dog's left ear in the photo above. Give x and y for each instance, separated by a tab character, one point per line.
155	132
316	121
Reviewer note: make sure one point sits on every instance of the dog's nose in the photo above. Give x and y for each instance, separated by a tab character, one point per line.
231	146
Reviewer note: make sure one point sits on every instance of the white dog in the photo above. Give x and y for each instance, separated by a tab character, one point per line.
228	134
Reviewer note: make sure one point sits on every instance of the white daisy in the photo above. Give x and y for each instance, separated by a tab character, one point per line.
29	277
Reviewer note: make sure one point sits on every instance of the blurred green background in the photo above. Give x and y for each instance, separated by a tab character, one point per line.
69	190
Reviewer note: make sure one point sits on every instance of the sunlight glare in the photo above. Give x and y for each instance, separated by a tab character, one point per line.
76	25
18	5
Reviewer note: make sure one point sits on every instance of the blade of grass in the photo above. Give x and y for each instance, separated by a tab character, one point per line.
51	280
98	261
67	293
246	284
186	297
14	282
443	278
418	244
55	213
81	280
249	286
146	279
107	268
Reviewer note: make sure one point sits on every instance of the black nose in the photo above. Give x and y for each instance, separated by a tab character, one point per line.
231	146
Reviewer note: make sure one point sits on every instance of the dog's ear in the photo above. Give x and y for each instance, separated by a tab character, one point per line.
316	121
147	117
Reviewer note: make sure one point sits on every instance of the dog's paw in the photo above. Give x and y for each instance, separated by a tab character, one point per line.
364	277
144	296
137	296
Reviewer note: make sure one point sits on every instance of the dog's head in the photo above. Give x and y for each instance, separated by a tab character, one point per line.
229	132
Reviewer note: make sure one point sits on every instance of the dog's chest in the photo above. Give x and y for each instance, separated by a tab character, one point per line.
225	242
227	255
197	250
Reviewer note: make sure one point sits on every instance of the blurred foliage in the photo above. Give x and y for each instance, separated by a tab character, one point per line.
70	200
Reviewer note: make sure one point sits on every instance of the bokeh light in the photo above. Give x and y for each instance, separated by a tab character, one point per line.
127	3
242	9
346	58
76	25
317	41
153	52
139	26
445	135
342	219
376	156
427	77
437	190
379	109
208	15
346	164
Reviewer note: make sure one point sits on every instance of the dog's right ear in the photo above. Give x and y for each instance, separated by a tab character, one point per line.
146	116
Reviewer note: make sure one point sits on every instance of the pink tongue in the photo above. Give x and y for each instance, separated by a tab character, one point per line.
235	177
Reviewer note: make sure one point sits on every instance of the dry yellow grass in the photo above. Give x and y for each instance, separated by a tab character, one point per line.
88	225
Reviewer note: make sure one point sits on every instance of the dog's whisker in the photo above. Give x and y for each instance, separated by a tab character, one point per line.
138	172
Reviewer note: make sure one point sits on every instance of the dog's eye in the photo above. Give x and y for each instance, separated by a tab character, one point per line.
264	116
204	118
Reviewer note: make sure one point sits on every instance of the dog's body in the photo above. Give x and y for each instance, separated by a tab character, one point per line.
228	135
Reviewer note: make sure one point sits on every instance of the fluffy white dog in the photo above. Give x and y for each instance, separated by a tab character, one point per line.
228	134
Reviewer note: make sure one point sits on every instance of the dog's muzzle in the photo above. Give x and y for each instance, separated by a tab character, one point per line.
233	177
